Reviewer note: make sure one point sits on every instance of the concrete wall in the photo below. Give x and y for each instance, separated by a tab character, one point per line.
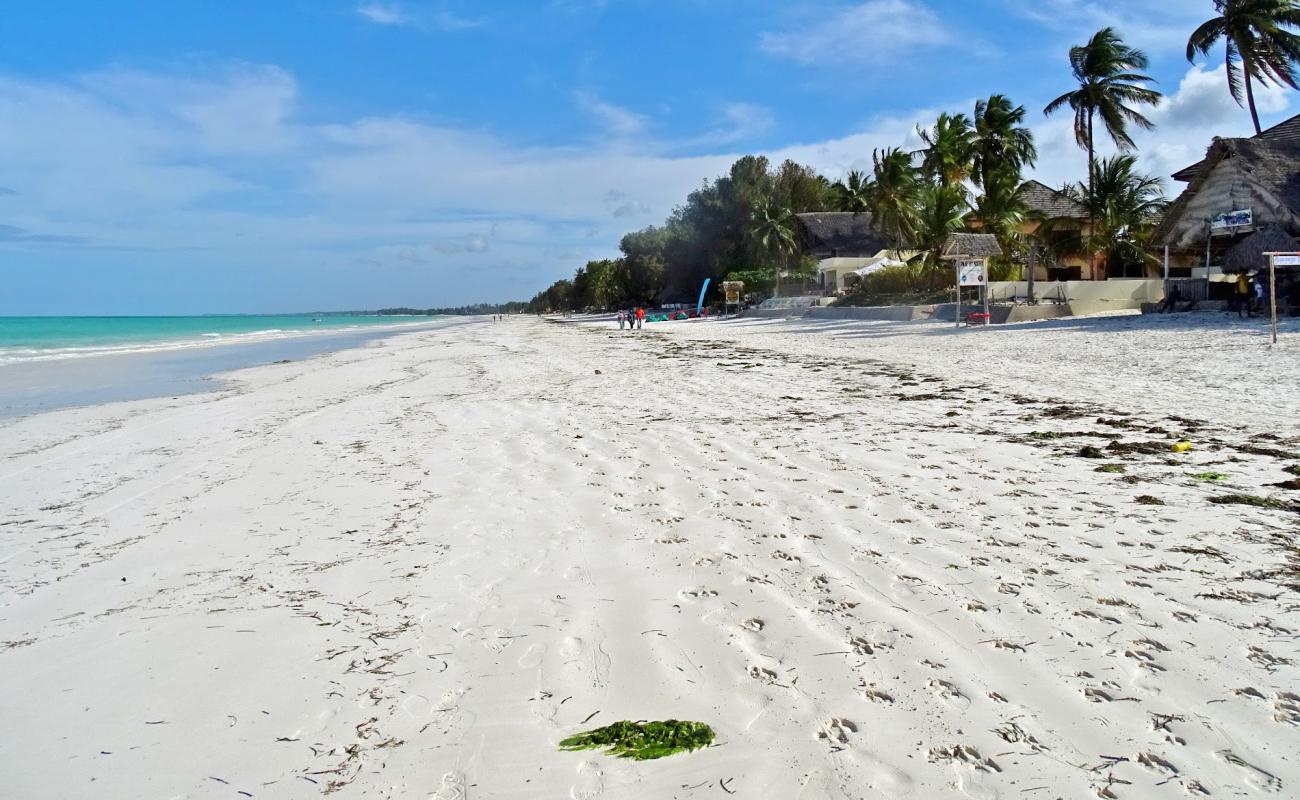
1117	293
892	313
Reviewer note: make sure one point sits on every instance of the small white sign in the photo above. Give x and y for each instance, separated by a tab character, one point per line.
1287	260
970	273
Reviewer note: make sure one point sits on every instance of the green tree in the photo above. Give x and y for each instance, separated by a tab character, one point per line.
1110	86
949	149
1002	143
1257	43
1124	205
853	193
941	210
895	195
773	232
1002	211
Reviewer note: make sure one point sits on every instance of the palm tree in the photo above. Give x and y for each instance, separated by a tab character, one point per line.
894	195
1257	43
1109	87
1002	142
1124	205
773	230
853	193
1001	210
949	148
941	210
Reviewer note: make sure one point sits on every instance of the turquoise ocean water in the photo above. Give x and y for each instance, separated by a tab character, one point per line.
57	338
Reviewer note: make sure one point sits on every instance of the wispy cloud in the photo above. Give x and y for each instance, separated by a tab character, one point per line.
876	31
425	19
614	120
384	14
1157	25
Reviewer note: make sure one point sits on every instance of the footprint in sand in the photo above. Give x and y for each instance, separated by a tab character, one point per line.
762	675
948	693
1255	776
590	782
453	787
1286	708
753	624
497	640
533	656
837	730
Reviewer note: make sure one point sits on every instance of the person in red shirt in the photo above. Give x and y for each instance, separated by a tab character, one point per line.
640	317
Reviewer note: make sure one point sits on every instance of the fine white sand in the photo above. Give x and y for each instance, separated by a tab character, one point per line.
409	570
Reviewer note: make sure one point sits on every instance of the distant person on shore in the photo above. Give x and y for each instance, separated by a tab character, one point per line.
622	317
1172	298
640	317
1261	295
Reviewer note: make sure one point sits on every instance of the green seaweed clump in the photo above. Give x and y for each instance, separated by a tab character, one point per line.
1148	500
1210	476
1045	435
1115	468
643	741
1250	500
1089	451
1292	469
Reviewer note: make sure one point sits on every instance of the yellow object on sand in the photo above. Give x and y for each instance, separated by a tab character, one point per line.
1182	446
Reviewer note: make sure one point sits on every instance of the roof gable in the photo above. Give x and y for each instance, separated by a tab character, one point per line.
1051	203
1287	131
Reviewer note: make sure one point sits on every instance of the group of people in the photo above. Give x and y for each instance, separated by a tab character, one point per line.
1249	297
633	319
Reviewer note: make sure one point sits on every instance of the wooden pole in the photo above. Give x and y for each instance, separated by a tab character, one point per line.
1272	294
985	287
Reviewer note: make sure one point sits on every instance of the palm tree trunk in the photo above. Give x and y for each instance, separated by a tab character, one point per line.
1250	97
1092	222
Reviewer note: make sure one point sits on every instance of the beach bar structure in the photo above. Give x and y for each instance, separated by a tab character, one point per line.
1241	201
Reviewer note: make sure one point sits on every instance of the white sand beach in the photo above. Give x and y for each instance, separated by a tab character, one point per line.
870	556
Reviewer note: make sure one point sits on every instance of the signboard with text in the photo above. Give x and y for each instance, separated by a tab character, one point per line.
1229	221
970	273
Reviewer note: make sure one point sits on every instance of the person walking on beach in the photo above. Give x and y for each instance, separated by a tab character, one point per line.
1261	295
622	315
640	317
1242	295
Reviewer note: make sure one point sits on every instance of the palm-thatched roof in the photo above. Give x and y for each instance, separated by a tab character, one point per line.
1285	132
839	234
1050	203
971	245
1266	170
1248	254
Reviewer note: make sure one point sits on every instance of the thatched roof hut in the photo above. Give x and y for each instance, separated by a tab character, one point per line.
839	234
971	245
1258	174
1248	254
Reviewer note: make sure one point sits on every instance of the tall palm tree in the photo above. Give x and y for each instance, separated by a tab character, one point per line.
1002	210
941	210
949	148
895	192
853	193
1002	142
1110	85
773	230
1124	205
1257	43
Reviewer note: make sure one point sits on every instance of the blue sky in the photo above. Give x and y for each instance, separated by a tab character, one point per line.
193	157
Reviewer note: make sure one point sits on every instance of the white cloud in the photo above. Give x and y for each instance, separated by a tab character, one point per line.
384	14
615	120
424	19
1155	25
875	31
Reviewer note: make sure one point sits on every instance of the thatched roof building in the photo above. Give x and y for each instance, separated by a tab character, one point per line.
971	245
1247	255
1260	175
1287	132
839	234
1049	203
